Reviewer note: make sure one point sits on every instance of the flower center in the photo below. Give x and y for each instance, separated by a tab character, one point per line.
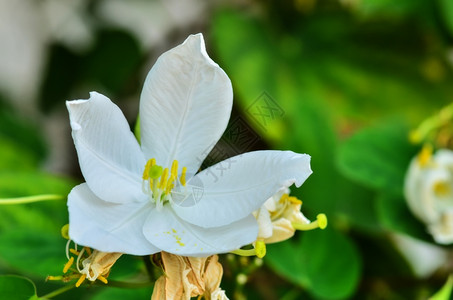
159	182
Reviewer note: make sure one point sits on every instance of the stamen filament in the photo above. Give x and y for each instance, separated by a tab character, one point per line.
259	250
321	222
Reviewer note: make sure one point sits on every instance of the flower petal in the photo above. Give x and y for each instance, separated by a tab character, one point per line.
108	227
109	155
185	106
235	187
172	234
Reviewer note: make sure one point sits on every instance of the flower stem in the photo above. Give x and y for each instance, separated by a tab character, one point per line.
30	199
58	292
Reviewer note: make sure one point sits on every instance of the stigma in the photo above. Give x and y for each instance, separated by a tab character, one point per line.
159	182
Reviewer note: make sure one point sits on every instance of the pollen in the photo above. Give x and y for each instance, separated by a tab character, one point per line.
321	223
81	280
441	189
68	264
158	182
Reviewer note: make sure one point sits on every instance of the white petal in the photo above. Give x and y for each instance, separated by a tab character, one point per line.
185	106
172	234
234	188
109	155
108	227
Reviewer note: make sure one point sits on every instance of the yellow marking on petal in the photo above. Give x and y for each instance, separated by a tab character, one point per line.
103	279
424	157
65	231
81	280
74	251
174	231
182	179
163	179
68	265
441	189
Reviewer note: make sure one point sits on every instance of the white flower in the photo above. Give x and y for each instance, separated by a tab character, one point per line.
137	199
280	216
429	192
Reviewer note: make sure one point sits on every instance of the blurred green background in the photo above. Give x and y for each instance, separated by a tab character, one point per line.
341	80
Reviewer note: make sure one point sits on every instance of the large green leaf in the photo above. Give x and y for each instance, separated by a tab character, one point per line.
445	292
378	157
394	215
17	288
120	294
313	262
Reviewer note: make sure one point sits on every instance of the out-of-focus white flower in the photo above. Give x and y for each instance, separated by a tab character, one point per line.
429	192
280	217
137	199
424	258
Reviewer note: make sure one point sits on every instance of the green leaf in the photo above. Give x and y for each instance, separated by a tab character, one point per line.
313	262
445	292
446	11
14	287
120	294
394	215
378	157
32	251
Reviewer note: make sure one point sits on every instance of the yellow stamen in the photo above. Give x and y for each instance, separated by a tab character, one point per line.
81	280
103	279
68	265
170	185
182	179
54	278
88	250
260	248
294	200
283	198
163	179
74	251
174	169
321	222
424	157
147	168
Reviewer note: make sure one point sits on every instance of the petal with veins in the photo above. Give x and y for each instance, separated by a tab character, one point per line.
109	155
185	106
108	227
236	187
167	231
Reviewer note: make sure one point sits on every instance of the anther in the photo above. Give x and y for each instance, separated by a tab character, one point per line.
74	251
182	179
81	280
68	265
424	157
174	169
321	222
260	248
163	179
102	279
